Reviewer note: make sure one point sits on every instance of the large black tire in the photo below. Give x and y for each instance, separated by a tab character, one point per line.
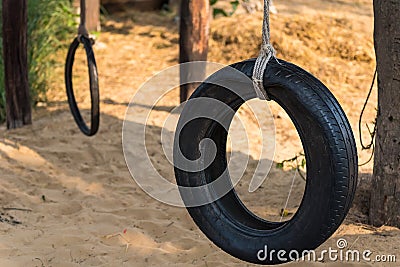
330	153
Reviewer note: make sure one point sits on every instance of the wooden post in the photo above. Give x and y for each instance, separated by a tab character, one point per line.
18	102
92	14
194	34
385	193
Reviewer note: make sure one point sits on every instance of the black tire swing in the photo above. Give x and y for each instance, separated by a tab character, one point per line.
83	37
330	153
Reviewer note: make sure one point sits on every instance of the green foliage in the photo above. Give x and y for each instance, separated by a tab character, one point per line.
294	160
294	164
50	24
219	11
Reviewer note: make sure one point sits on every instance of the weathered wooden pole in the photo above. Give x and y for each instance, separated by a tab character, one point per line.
92	13
18	101
194	34
385	193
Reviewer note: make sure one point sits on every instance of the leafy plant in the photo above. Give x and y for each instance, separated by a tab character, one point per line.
219	11
294	164
50	24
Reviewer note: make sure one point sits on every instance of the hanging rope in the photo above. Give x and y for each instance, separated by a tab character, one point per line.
266	53
82	30
83	38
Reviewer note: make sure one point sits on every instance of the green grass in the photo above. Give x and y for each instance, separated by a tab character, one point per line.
50	25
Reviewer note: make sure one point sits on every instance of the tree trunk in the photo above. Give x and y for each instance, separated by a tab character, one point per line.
385	195
92	14
18	103
194	32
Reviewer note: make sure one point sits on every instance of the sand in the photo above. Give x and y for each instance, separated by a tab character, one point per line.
69	200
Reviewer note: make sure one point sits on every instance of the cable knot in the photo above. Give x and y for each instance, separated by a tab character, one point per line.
267	50
266	53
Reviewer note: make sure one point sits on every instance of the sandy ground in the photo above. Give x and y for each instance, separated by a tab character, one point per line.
68	200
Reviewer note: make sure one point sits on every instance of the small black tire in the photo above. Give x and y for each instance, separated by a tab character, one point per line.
93	83
331	158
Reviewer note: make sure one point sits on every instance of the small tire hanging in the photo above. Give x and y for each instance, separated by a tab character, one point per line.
330	153
93	82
